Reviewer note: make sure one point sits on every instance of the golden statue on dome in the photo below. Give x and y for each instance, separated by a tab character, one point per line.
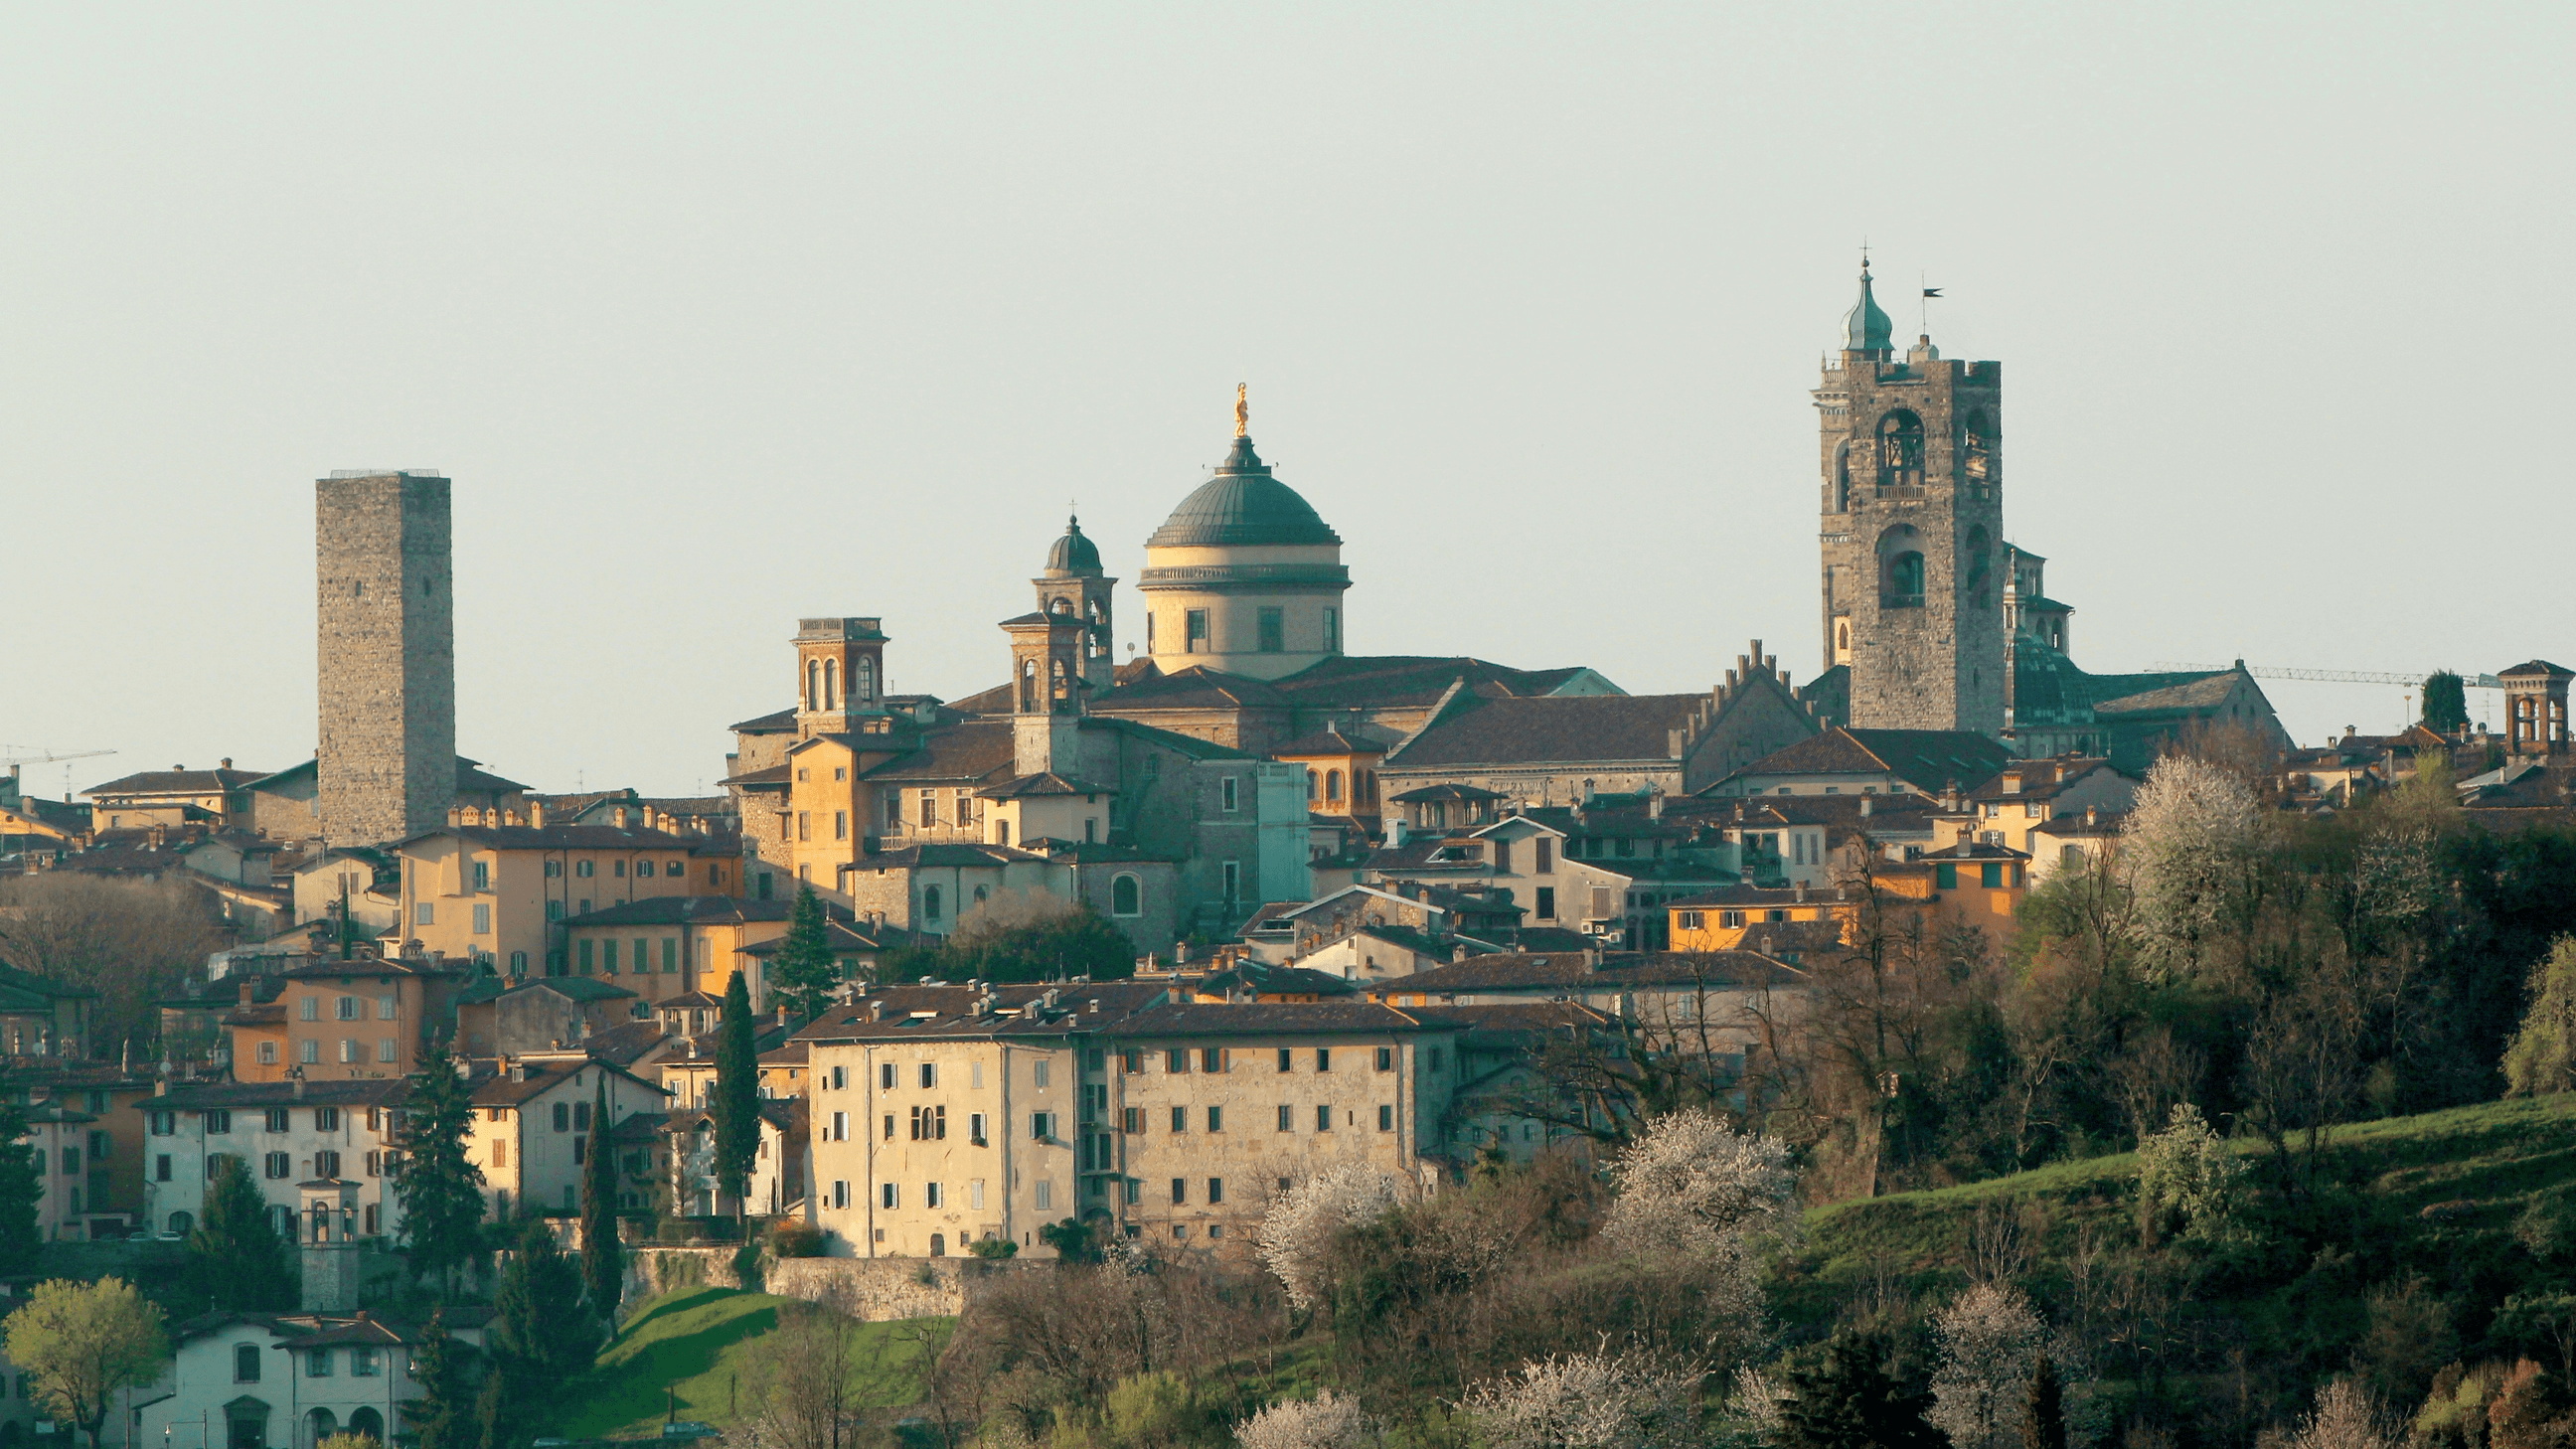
1242	411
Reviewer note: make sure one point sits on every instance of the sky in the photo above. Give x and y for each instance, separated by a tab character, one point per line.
720	316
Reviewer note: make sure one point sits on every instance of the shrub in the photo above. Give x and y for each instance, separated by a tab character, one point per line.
2187	1170
1322	1422
1584	1401
790	1239
994	1248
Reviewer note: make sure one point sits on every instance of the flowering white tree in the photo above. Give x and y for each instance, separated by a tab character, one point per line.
1991	1340
2348	1416
1322	1422
2190	837
2187	1169
1297	1233
1690	1185
1584	1401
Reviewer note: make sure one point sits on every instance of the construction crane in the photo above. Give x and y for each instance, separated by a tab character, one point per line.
47	757
2327	676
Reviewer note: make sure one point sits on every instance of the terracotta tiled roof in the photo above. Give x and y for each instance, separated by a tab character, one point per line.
1558	729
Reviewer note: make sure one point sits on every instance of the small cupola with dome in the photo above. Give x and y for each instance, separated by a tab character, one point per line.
1073	587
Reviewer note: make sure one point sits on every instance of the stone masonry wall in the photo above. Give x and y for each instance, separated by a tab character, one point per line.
873	1290
386	656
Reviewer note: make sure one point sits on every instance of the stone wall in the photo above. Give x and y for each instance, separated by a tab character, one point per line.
874	1290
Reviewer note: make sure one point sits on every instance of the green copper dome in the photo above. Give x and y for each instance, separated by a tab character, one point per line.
1865	328
1073	553
1242	504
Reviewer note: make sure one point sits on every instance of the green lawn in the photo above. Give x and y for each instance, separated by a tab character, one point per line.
702	1342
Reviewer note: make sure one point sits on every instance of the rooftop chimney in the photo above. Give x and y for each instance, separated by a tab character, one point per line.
1864	805
536	814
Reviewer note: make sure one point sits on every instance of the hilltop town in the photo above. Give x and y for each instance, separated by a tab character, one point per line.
1120	966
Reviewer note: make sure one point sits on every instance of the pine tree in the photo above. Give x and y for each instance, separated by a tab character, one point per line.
440	1188
737	1099
541	1333
603	1262
444	1414
20	1190
1845	1400
803	973
236	1261
2044	1419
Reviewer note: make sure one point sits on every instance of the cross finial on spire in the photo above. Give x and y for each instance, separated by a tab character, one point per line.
1242	411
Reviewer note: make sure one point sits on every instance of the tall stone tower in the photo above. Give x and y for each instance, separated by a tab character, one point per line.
386	767
1913	530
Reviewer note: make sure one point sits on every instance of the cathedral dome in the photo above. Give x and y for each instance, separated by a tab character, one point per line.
1073	553
1242	505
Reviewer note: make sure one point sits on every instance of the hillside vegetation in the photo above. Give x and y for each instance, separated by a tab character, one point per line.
705	1346
2405	1245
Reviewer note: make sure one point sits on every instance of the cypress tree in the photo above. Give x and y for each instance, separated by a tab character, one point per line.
20	1190
236	1260
803	973
440	1188
603	1261
444	1414
497	1411
2446	701
736	1107
1845	1400
2043	1424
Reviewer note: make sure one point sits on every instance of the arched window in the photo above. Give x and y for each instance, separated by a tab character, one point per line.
368	1422
863	679
1842	478
180	1224
325	1423
1332	787
1126	896
1900	568
1060	606
1058	689
1980	560
831	682
1311	786
1977	451
1900	450
1028	686
979	895
813	684
1368	786
930	903
938	1245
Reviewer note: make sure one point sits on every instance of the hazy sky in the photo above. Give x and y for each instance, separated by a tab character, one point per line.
722	315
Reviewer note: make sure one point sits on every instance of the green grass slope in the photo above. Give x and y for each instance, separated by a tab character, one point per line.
2432	1200
703	1343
